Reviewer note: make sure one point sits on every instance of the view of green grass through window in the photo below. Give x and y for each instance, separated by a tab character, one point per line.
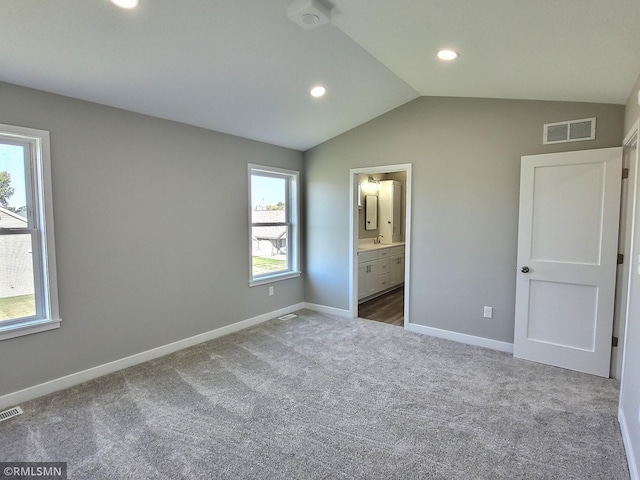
268	265
17	292
17	307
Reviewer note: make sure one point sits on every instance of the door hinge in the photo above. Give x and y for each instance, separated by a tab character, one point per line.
625	173
614	342
620	258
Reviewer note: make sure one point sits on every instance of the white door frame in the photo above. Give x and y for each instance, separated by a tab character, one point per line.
632	138
353	235
627	208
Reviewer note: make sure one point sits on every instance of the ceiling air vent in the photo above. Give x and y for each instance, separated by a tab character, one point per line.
571	131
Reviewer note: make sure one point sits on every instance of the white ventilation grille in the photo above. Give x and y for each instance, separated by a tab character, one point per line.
288	316
571	131
12	412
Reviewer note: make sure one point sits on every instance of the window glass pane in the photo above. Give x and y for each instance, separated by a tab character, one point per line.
17	297
13	192
269	250
28	293
268	194
273	223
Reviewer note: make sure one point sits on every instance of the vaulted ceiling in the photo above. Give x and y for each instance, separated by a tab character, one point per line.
243	67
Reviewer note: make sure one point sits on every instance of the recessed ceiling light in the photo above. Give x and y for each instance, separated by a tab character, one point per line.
447	55
318	91
126	3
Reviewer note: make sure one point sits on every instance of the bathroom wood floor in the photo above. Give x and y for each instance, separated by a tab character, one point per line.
387	308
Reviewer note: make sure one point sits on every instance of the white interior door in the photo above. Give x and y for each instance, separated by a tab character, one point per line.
567	258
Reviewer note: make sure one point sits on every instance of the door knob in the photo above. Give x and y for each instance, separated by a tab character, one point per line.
525	270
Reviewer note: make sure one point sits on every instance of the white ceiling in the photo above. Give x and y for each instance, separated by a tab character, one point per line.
242	67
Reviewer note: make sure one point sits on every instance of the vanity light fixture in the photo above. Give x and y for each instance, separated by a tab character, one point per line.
128	4
448	55
371	185
318	91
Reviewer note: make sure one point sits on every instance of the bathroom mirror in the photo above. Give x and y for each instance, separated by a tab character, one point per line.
371	212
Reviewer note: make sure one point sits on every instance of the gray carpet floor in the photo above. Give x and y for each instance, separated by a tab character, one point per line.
321	397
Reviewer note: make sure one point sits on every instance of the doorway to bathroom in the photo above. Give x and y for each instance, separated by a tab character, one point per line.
380	226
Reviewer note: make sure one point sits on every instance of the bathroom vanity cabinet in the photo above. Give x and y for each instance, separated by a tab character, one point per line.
380	269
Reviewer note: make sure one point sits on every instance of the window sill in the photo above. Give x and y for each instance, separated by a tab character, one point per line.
274	278
27	328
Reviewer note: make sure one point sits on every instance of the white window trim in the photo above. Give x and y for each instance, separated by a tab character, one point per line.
43	196
294	244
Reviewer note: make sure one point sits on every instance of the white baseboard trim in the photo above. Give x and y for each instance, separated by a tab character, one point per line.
626	438
461	337
330	310
11	399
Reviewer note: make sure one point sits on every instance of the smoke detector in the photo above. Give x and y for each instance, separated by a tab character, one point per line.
309	14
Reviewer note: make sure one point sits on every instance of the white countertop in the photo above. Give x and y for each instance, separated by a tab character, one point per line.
366	247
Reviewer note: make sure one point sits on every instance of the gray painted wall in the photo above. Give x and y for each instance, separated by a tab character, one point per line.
466	173
151	234
630	388
632	110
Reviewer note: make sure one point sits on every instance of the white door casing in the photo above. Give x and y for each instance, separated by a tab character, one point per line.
354	287
567	258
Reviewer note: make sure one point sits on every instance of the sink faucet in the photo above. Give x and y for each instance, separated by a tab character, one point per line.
378	239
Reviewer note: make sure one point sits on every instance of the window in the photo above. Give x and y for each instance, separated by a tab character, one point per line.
28	288
273	224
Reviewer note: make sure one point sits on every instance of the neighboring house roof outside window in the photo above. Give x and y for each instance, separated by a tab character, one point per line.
9	219
271	232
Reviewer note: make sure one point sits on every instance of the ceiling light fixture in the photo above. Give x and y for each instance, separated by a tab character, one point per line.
310	19
309	14
126	3
318	91
448	55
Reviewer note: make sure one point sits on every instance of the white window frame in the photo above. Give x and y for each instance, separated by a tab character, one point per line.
292	222
40	227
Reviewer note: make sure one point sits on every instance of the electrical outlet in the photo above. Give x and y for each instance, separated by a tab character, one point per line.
271	291
488	312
